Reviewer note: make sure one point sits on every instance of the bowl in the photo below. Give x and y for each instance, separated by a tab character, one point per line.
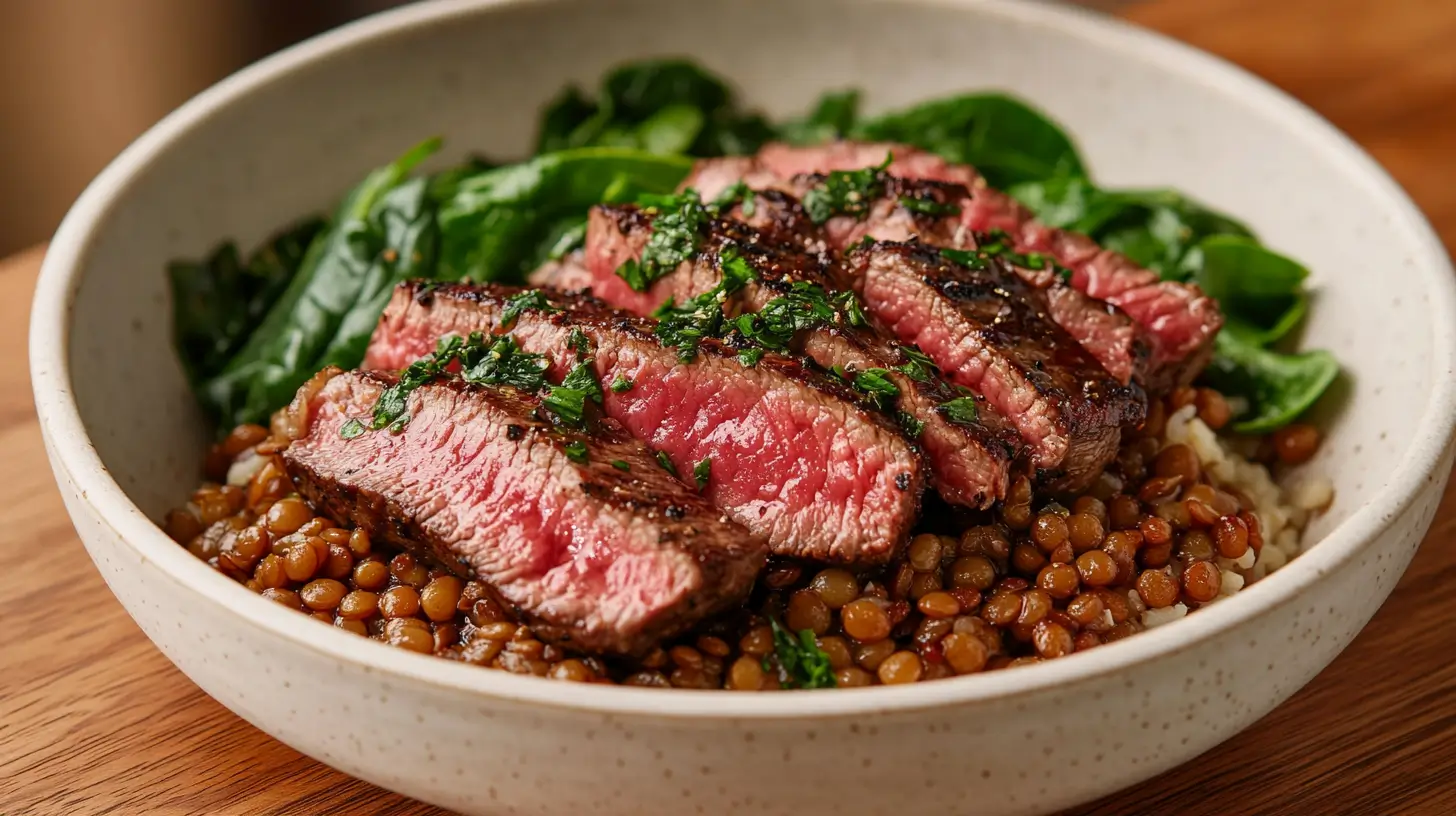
286	136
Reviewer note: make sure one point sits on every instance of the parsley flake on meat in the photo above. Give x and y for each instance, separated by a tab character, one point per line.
351	429
912	426
532	299
846	192
733	194
701	471
928	206
567	402
917	367
684	327
621	385
501	363
575	451
675	238
961	409
666	463
875	383
621	465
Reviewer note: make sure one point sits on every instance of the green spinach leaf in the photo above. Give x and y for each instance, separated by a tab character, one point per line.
832	118
286	348
1260	291
1007	140
216	303
1279	387
495	224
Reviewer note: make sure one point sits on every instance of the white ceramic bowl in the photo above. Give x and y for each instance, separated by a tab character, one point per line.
287	135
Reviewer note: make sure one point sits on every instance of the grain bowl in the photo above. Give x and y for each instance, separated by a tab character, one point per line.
285	136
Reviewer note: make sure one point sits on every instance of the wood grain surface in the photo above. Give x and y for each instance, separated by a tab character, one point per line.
94	720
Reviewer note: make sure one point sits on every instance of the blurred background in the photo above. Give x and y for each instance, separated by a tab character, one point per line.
82	78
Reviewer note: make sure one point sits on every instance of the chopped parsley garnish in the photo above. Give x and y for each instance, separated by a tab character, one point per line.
666	463
998	245
580	344
351	429
928	206
389	408
849	305
918	367
575	450
621	465
674	239
501	363
567	402
846	192
961	409
912	426
530	299
739	191
804	306
875	383
804	665
750	356
621	385
684	327
701	471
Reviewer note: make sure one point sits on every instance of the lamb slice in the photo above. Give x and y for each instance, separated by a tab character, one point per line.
567	273
989	332
969	461
595	544
789	453
1179	318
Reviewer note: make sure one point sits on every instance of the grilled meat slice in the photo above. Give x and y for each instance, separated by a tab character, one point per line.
790	454
969	462
584	534
1178	320
989	332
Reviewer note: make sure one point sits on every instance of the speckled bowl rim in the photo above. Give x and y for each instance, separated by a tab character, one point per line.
75	458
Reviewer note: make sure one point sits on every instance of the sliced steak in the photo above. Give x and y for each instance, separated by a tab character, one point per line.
1179	320
969	461
791	456
931	212
989	331
602	551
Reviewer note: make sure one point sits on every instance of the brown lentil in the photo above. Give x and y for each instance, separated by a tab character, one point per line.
1157	589
1058	580
1231	536
836	587
939	605
1202	581
900	667
865	621
399	602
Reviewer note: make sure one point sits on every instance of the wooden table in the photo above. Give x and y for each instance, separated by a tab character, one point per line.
94	720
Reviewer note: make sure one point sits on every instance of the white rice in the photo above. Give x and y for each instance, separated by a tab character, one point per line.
1283	510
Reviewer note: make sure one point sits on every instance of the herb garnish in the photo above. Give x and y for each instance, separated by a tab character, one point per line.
735	193
621	465
501	363
876	384
666	463
804	664
846	192
674	239
912	426
389	408
531	299
998	245
621	385
928	206
919	367
849	306
684	327
575	451
961	409
567	402
750	356
803	306
351	429
581	344
701	471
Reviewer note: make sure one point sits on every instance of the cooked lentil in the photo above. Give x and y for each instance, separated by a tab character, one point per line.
1177	522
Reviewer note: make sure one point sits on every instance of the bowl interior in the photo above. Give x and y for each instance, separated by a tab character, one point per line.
288	144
